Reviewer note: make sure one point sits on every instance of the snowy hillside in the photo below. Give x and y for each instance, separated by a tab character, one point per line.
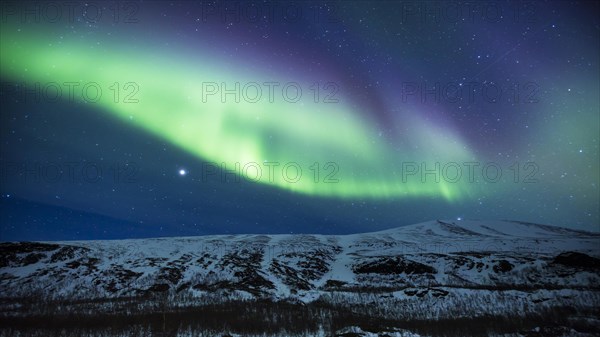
434	270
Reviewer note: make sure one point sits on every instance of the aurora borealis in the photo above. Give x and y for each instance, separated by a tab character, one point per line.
370	115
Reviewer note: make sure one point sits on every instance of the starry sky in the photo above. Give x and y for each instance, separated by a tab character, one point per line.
155	118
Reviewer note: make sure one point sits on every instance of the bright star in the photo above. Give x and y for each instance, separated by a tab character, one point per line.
182	172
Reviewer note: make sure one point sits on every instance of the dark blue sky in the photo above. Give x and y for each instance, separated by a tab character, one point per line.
71	170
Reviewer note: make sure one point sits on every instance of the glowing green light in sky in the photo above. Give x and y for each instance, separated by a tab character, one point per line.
170	105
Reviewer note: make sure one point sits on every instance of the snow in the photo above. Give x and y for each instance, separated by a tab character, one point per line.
359	331
205	257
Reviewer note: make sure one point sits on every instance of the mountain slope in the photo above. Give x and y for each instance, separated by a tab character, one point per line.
437	253
435	270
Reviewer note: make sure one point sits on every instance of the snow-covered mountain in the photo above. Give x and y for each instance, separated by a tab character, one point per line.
433	270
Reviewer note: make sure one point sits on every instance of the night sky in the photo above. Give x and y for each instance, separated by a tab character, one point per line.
144	119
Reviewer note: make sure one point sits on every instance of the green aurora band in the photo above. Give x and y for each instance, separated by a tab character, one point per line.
170	107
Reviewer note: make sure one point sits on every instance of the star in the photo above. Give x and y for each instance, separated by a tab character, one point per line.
182	172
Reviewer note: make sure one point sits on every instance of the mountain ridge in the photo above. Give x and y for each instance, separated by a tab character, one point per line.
440	269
